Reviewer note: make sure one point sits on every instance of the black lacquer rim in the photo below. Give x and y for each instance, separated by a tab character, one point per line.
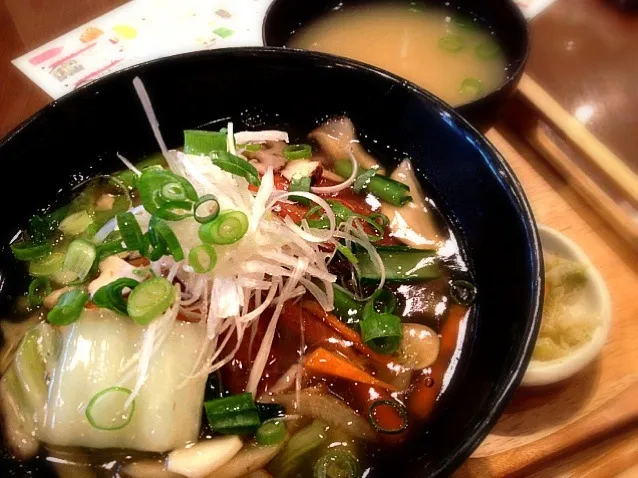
514	376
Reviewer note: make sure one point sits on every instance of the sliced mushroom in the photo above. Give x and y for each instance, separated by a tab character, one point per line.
337	137
413	223
419	346
271	155
304	168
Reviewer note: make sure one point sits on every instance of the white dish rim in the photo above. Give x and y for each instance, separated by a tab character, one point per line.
544	373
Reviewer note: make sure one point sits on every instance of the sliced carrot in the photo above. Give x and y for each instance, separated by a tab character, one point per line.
346	332
326	363
428	385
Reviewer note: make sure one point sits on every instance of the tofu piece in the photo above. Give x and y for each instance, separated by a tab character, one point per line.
302	167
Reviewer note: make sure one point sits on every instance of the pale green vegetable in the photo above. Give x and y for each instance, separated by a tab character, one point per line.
17	417
566	323
76	223
94	358
33	363
204	457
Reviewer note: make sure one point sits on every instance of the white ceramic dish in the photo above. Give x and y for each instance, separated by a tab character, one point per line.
597	300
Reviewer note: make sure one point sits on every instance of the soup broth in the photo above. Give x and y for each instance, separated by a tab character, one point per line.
453	57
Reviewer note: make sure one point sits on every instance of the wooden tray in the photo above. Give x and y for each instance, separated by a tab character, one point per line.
514	446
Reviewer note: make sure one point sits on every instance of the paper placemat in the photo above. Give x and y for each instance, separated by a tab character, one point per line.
143	30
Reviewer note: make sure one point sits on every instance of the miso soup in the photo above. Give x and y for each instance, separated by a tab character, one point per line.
451	55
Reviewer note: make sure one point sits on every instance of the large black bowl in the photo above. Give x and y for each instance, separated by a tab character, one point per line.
502	17
79	135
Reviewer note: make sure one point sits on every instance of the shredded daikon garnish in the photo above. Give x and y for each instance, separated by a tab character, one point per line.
276	260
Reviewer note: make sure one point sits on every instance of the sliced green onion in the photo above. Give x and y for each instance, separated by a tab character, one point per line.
388	403
80	257
110	295
462	292
471	87
109	248
452	43
76	223
346	307
487	50
203	142
45	266
381	332
157	246
159	229
228	228
206	209
158	187
41	228
150	299
132	234
236	165
69	307
27	251
347	253
382	301
297	151
105	410
362	180
175	210
129	178
336	463
202	258
39	288
386	189
401	264
271	432
302	184
236	414
253	148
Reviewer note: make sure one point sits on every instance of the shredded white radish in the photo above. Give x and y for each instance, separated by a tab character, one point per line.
230	139
128	164
140	89
341	186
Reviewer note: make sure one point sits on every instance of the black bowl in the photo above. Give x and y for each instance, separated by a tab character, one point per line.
79	135
502	17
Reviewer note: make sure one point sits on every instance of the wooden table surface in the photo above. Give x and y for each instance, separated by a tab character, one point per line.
26	24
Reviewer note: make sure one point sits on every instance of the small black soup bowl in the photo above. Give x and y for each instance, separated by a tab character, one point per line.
78	136
502	17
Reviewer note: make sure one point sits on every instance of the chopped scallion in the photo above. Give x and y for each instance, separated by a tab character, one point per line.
297	151
471	87
206	209
45	266
236	165
336	462
228	228
80	257
202	258
487	50
132	234
150	299
271	432
381	332
462	292
203	142
69	307
106	410
236	414
27	251
175	210
110	295
452	43
158	229
39	288
76	223
388	403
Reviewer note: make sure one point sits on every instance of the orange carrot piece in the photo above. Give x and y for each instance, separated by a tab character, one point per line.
346	332
326	363
427	386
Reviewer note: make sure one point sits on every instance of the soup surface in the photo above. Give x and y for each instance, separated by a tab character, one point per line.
453	57
241	305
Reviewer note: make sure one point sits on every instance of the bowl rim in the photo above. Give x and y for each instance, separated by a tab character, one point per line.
511	79
540	373
520	357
